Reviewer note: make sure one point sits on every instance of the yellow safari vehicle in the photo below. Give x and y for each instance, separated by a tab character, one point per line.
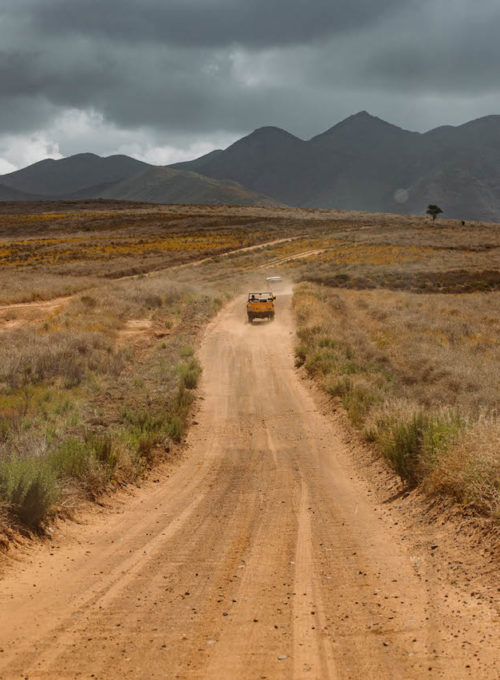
260	306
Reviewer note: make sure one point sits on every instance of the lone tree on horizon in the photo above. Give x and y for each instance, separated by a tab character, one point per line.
433	210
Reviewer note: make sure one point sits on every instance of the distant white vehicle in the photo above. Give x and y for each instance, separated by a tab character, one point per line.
273	278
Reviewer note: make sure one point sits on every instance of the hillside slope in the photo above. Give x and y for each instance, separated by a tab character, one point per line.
365	163
10	194
87	176
167	185
59	178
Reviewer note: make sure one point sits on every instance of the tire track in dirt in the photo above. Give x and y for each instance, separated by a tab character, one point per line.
260	556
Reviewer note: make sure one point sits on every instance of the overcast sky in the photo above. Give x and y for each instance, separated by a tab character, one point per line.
167	80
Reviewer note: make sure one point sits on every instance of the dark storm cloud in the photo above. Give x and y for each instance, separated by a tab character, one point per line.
210	23
457	52
190	69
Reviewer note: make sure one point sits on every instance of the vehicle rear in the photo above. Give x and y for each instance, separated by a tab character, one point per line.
260	306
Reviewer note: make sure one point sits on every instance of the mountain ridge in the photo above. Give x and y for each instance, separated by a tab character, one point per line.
361	163
366	163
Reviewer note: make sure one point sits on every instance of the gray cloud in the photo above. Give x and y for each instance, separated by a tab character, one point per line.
176	74
194	23
440	51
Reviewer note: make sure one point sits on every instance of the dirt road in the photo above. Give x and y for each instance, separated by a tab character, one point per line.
261	556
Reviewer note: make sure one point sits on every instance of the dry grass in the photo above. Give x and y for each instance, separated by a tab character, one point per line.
470	470
400	320
95	387
78	410
45	254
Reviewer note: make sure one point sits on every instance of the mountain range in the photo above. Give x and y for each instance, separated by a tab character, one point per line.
365	163
362	163
86	175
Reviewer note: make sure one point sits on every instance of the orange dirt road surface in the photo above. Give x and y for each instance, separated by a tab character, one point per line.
261	556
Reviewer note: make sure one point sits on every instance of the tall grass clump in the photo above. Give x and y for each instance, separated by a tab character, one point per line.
189	373
92	459
417	375
413	442
29	488
469	470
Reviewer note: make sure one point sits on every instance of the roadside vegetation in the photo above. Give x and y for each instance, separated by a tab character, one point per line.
96	394
98	375
397	317
415	366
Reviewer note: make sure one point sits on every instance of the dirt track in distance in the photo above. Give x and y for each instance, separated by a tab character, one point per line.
260	556
19	314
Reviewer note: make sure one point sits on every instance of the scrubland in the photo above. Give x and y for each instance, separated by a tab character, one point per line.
101	314
98	384
397	318
403	327
48	254
96	393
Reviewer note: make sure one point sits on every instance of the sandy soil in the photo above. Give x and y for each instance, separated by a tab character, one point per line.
26	313
261	555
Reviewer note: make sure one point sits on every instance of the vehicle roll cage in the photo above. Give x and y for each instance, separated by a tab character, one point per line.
261	297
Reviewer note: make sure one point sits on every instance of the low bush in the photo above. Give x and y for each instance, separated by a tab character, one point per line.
94	457
71	459
189	373
300	355
469	469
29	488
412	444
31	358
414	374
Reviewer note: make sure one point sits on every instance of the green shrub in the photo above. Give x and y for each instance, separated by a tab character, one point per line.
143	420
39	496
146	445
176	428
72	458
327	342
357	403
189	373
183	400
412	445
308	334
322	362
103	449
29	487
340	387
91	460
357	399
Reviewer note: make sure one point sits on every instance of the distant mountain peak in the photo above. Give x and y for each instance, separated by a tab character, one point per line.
363	114
83	154
72	174
269	138
270	132
269	129
362	121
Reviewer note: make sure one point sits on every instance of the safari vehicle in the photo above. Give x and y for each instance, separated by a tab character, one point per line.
260	306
